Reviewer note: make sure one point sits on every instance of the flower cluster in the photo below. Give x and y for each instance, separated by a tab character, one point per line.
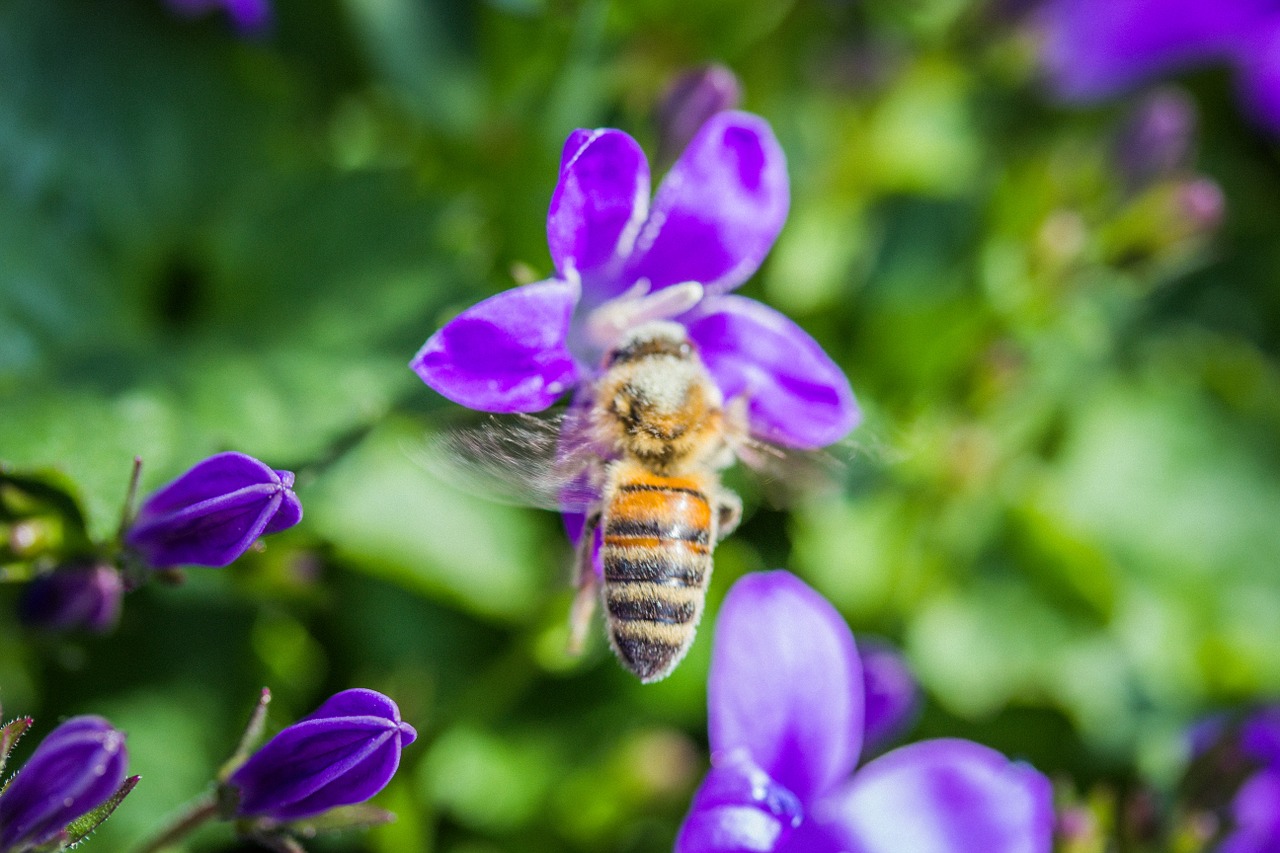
787	714
208	516
621	261
68	786
1251	746
1097	48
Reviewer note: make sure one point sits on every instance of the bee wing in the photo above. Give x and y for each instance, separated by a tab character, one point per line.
786	476
528	461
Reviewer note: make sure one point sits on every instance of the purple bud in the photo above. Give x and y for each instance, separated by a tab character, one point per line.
1157	140
214	513
343	753
85	597
1201	205
73	771
891	693
694	97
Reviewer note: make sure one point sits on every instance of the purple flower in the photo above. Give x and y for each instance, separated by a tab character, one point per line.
891	693
213	513
622	261
249	16
344	752
785	720
1097	48
73	597
77	768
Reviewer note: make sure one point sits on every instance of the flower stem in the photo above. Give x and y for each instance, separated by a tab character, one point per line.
252	734
126	512
195	814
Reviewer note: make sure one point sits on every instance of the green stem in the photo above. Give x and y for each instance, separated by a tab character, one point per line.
196	814
126	512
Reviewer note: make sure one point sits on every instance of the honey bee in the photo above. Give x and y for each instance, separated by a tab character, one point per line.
643	463
662	507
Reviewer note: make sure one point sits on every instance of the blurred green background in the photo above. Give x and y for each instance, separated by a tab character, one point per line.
1064	501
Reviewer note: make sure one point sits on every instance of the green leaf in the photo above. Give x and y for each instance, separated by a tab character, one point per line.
387	516
80	829
9	735
343	818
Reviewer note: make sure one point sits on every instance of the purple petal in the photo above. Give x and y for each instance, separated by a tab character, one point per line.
344	752
718	210
250	16
796	394
893	697
785	684
213	513
942	796
507	353
1094	48
1256	813
287	514
1259	64
1260	736
597	208
1206	733
73	771
739	809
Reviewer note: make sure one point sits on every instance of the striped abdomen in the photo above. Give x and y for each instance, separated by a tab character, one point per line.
658	533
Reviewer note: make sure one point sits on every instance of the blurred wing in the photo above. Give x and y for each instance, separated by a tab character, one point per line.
786	477
519	459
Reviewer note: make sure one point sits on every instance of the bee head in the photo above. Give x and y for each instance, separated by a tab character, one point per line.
649	340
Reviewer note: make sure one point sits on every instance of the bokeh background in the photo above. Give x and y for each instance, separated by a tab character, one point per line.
1064	502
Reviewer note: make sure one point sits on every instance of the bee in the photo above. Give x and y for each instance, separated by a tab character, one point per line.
663	508
642	462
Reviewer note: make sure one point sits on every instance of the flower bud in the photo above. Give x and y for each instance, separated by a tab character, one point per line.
214	513
76	597
1200	205
73	771
343	753
892	696
1157	140
694	97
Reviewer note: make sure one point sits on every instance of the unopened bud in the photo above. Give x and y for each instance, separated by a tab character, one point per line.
1157	140
214	513
75	597
694	97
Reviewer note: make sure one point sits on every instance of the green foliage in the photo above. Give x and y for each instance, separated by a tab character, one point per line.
1063	500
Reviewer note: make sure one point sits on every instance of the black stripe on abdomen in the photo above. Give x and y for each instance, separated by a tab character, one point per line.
620	568
628	528
652	609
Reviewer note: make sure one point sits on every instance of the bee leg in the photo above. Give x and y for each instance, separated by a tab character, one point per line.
728	513
584	603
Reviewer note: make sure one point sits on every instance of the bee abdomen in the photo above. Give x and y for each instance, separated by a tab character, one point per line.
657	560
